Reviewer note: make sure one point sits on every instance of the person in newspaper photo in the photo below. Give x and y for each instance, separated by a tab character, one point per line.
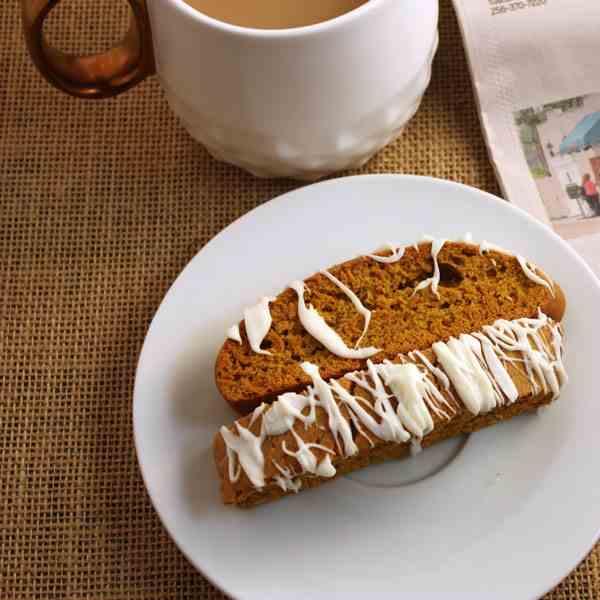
590	193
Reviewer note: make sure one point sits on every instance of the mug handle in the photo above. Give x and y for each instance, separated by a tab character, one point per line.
97	75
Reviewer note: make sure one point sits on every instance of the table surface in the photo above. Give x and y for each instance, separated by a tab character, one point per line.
101	205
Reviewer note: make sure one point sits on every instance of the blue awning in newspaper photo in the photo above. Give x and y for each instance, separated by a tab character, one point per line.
585	134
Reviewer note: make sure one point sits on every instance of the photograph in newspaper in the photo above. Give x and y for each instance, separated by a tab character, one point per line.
561	143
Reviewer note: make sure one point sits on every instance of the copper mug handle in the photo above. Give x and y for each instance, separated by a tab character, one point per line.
97	75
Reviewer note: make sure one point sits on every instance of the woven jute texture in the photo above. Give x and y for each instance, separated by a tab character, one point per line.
101	206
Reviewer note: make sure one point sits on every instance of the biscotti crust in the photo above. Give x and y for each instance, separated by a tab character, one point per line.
475	290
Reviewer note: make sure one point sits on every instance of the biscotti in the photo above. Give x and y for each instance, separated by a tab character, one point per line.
374	308
335	426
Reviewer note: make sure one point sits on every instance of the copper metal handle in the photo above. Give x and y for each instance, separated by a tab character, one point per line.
93	76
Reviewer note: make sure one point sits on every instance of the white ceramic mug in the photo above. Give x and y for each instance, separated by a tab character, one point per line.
301	102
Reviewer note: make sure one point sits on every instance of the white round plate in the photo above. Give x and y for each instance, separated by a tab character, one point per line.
506	513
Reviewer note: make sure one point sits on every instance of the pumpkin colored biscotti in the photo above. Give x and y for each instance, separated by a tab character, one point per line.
334	426
374	308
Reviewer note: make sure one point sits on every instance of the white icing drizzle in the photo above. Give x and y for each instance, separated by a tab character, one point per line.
487	246
406	383
258	321
286	481
531	274
476	363
390	427
289	406
258	318
338	425
434	280
247	448
233	333
355	420
307	460
288	485
499	373
365	312
316	326
400	398
436	246
526	265
326	468
397	252
544	370
411	387
439	374
259	410
459	358
558	351
415	447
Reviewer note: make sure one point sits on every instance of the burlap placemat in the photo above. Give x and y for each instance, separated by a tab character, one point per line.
101	205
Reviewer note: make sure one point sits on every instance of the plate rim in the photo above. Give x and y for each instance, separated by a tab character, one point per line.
216	580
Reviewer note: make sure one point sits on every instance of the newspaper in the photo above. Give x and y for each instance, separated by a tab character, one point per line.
536	71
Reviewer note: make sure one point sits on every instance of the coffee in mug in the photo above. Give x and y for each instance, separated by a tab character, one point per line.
274	14
275	97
